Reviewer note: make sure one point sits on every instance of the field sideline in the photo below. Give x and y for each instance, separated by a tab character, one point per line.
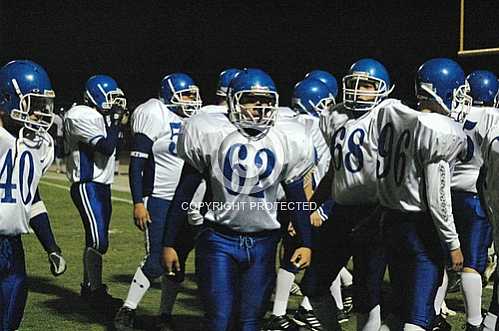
54	303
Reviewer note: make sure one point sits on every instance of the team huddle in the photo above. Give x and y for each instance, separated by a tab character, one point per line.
368	178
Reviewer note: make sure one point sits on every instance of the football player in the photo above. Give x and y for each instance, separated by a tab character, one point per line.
327	79
244	155
224	80
91	134
416	152
27	101
310	98
154	173
353	228
473	227
489	189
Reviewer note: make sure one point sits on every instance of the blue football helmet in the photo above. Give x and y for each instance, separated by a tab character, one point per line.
254	87
484	87
311	96
180	94
26	95
224	80
103	92
442	80
366	85
326	78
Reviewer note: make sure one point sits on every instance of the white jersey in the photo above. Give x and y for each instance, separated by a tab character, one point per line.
162	126
244	173
490	152
211	109
416	154
353	158
332	119
22	164
285	112
58	123
83	128
321	150
467	168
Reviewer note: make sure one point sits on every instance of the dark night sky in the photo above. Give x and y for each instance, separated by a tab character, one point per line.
138	42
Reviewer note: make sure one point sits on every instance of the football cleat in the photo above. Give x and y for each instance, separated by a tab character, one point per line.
440	324
278	323
342	316
57	263
166	323
295	289
470	327
100	299
306	318
124	319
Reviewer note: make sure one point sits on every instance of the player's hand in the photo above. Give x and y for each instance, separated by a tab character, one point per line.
291	230
301	257
170	260
457	259
116	114
141	216
125	118
315	219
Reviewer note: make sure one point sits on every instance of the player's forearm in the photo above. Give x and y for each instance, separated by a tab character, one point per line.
323	190
300	215
438	195
107	145
135	171
141	149
177	213
325	209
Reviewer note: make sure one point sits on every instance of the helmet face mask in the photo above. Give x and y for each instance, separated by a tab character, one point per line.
362	92
187	101
36	111
179	93
254	109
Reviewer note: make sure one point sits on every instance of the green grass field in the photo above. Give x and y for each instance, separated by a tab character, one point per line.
54	303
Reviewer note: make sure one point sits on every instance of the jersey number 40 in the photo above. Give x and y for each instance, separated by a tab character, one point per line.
6	177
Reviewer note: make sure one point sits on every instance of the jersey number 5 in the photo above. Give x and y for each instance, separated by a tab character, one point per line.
6	177
175	129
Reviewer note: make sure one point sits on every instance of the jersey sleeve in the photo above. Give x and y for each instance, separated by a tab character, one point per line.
489	119
439	139
490	145
48	151
190	145
299	154
147	120
86	129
